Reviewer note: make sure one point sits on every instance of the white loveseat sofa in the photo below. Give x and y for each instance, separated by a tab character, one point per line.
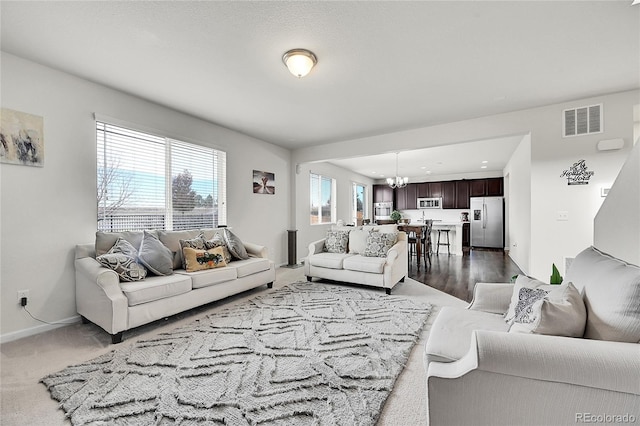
354	264
479	372
116	306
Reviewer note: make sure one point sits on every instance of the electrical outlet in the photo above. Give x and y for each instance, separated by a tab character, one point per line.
21	294
562	215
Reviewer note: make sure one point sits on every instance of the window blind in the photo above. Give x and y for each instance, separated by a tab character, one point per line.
146	181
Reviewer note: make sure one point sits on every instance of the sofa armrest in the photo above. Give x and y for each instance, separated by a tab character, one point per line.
99	297
599	364
316	247
491	297
256	250
395	250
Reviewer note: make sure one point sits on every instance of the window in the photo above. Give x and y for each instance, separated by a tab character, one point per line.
359	203
322	191
146	181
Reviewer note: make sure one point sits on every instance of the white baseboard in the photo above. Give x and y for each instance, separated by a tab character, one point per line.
32	331
519	267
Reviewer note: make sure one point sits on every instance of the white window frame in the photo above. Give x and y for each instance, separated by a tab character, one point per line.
170	145
332	206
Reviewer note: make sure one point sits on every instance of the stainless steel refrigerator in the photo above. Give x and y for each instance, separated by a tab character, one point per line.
487	222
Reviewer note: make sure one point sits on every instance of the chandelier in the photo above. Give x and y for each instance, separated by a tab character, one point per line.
397	182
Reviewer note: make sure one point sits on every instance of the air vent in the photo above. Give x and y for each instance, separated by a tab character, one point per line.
582	121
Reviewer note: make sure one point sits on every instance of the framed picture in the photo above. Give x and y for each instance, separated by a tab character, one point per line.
264	182
21	138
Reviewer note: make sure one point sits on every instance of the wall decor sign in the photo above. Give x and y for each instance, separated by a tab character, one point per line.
21	138
577	174
264	182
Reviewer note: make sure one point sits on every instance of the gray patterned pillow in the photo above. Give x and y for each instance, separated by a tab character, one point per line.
197	243
154	255
336	241
218	241
122	259
235	246
379	243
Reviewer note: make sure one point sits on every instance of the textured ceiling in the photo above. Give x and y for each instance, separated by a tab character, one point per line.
382	66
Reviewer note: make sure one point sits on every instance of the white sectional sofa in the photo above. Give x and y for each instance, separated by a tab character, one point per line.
116	306
483	371
355	264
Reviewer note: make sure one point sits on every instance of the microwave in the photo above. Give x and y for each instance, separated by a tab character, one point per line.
429	203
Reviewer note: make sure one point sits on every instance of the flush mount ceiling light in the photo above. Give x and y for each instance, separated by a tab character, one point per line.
299	61
397	182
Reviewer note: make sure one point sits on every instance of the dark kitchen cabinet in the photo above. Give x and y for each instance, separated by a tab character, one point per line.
486	187
423	190
449	195
435	189
495	187
477	187
406	197
462	194
382	193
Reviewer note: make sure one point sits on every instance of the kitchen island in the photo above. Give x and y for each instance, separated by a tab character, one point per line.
455	236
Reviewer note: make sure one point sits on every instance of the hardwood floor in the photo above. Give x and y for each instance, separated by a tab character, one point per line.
457	275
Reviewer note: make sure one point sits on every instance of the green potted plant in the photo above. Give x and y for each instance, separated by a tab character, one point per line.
395	215
556	278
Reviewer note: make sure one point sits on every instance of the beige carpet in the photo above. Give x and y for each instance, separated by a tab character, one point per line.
24	362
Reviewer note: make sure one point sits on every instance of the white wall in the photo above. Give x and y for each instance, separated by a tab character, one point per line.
344	180
550	240
46	211
619	217
518	206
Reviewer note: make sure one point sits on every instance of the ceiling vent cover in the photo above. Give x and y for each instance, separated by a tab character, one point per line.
582	121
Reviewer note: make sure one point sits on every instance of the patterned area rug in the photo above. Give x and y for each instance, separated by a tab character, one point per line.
307	354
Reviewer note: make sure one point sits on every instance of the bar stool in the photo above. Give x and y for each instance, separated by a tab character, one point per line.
446	232
426	241
411	245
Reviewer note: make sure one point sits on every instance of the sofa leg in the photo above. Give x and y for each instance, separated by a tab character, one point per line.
309	278
388	290
402	279
116	338
84	319
270	285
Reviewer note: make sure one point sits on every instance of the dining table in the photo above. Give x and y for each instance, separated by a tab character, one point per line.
419	229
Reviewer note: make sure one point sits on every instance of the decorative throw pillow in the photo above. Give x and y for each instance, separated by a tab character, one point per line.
197	243
561	312
527	298
218	241
122	259
106	240
235	246
379	243
155	256
336	241
524	282
198	260
358	241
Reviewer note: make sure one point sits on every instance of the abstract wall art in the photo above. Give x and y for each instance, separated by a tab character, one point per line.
264	182
21	138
